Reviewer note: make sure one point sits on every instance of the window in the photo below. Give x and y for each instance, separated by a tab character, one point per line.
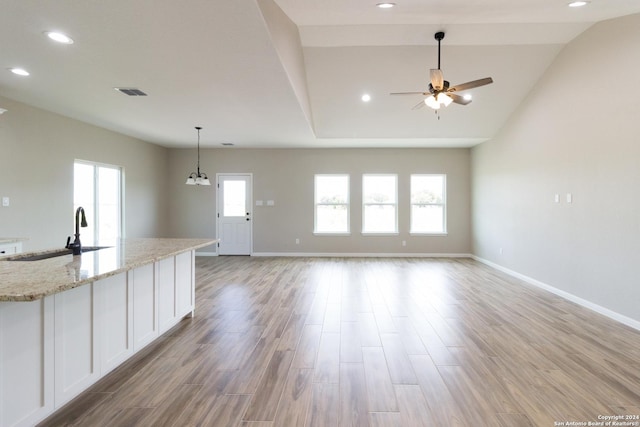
98	189
331	204
428	204
379	204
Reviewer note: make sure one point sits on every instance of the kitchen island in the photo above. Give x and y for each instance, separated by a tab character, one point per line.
67	321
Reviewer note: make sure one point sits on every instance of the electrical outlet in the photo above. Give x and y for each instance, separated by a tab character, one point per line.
404	243
297	241
501	251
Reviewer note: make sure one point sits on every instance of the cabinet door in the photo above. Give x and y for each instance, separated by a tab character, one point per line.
185	291
26	361
115	319
76	352
166	294
145	313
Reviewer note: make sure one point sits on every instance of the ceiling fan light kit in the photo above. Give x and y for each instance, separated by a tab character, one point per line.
440	92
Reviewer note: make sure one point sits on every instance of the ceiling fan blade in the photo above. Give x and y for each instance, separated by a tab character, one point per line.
458	99
437	81
418	105
471	85
409	93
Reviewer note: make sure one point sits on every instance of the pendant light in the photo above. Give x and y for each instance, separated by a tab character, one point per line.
198	178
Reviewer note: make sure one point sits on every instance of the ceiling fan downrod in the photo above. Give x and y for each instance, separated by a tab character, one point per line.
439	36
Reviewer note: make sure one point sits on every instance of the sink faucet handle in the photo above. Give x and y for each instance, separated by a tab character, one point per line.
68	241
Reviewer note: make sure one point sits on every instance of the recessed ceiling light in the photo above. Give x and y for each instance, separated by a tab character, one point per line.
19	71
59	37
385	5
578	3
366	97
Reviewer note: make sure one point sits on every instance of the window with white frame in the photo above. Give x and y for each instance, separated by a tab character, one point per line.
98	189
331	204
379	203
428	204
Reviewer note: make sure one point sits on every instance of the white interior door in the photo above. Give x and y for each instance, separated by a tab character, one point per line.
234	214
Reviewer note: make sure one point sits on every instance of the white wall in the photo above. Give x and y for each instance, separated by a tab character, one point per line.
577	132
37	152
287	177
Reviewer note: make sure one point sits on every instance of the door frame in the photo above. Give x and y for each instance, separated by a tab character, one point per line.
249	206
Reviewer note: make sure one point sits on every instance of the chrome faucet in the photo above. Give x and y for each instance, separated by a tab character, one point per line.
81	221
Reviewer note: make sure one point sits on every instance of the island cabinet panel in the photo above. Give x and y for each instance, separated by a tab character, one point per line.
145	308
114	297
76	346
166	275
26	361
185	280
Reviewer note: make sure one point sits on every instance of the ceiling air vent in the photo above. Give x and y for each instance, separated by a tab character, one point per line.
131	91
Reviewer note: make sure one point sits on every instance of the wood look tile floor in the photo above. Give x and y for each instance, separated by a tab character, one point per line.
370	342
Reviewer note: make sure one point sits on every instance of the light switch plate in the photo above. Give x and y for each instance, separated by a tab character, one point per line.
5	201
270	203
569	198
259	203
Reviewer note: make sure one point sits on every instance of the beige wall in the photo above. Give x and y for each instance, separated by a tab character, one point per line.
37	151
286	176
577	132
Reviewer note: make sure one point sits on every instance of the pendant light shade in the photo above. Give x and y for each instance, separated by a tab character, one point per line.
198	178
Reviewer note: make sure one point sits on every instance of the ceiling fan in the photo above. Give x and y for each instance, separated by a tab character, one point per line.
440	92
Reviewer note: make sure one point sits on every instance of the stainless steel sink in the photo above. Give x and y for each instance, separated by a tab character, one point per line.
52	254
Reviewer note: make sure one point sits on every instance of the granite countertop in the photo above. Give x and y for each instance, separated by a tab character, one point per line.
32	280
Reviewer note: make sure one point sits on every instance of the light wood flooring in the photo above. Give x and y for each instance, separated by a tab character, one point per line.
370	342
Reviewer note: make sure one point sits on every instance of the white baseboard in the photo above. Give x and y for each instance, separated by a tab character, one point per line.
358	255
206	253
566	295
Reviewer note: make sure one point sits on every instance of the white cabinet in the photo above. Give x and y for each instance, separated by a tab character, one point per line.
76	351
145	308
185	289
26	361
114	296
166	275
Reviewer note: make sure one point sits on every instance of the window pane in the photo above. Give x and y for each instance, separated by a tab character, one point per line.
332	219
379	219
331	204
84	195
108	204
427	189
332	189
428	203
377	192
98	190
379	188
235	198
427	219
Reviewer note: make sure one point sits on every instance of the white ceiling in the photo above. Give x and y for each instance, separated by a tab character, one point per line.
226	66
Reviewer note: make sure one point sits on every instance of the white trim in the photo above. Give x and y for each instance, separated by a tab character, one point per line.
635	324
359	255
206	253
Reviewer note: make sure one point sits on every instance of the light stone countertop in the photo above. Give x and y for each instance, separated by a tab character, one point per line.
32	280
